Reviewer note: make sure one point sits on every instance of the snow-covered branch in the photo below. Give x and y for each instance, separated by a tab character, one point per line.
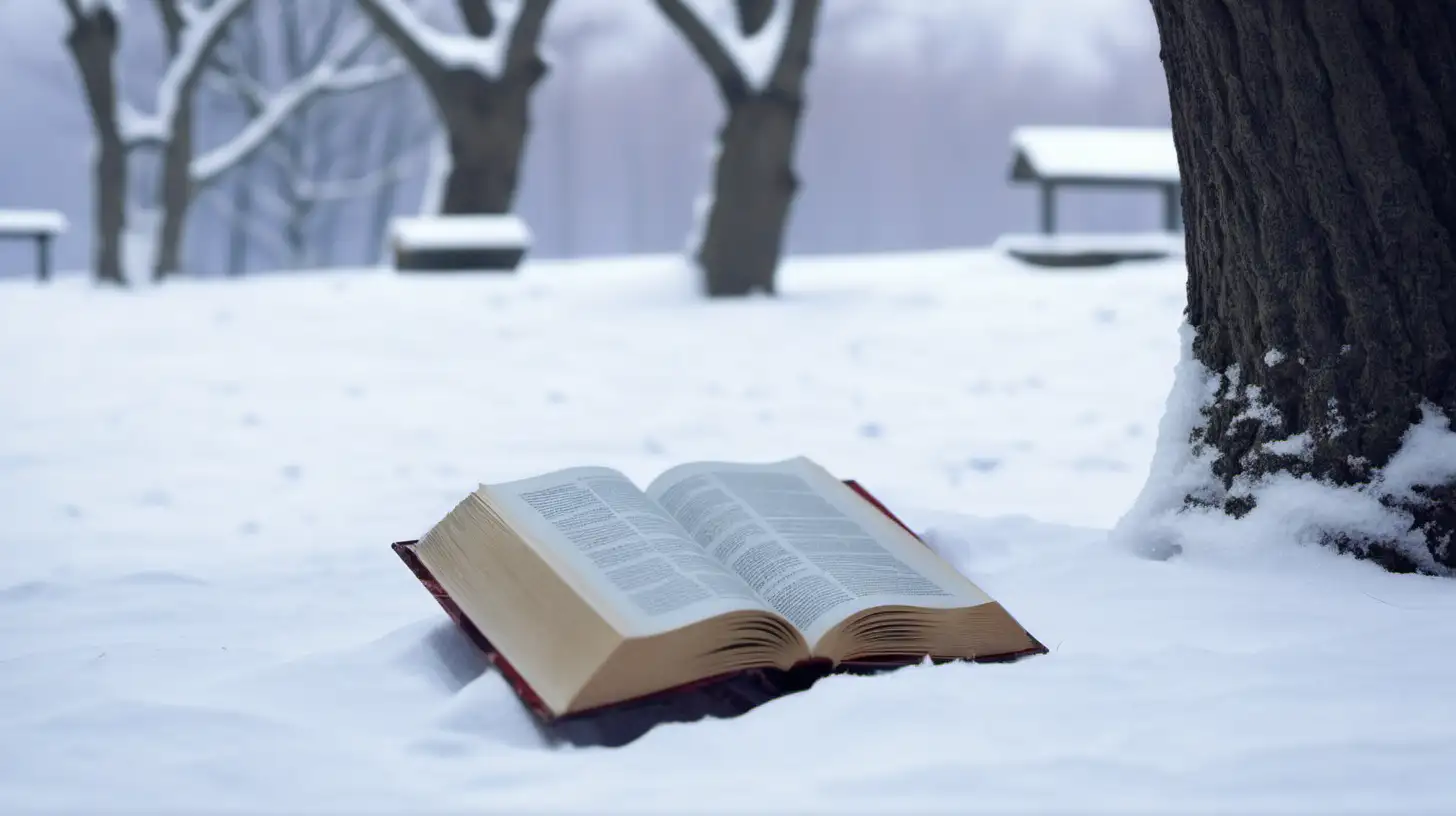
204	29
430	50
719	35
331	75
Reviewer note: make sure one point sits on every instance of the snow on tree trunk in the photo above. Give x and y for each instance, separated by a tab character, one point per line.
759	67
480	84
437	172
1317	141
139	241
93	42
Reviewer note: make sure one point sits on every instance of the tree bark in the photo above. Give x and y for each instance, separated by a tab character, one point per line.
1317	142
176	181
486	122
93	42
486	118
753	178
176	189
753	189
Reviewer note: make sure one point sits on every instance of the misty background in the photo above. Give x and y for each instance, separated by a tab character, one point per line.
904	142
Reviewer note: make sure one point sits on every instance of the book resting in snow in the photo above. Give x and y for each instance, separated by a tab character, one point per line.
598	592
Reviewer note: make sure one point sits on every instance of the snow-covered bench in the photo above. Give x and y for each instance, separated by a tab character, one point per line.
41	226
459	243
1095	157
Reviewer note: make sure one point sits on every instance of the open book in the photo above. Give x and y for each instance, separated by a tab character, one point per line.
600	592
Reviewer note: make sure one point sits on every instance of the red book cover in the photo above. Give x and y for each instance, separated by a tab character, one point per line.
620	723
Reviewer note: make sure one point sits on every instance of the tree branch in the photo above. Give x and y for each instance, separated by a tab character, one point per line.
77	15
525	37
753	15
786	77
174	22
730	80
402	28
479	18
328	76
203	32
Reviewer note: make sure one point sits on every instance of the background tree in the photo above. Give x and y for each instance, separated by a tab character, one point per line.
1317	140
352	144
753	174
193	35
480	84
192	32
92	41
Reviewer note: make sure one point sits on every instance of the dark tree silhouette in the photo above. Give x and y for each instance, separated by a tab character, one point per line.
1317	140
93	40
486	117
753	179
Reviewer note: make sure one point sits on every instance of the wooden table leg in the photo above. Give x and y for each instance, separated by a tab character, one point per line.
43	256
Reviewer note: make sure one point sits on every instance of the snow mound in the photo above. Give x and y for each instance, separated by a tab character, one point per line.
1289	510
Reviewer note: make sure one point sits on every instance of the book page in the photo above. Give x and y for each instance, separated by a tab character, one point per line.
621	551
806	543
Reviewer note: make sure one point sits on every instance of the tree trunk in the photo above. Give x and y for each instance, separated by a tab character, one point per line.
486	117
753	189
176	181
92	42
486	121
242	214
176	193
1317	141
753	178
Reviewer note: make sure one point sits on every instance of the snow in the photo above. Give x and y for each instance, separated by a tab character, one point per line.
1100	153
1299	444
199	611
1427	455
484	55
756	55
457	231
1287	508
26	222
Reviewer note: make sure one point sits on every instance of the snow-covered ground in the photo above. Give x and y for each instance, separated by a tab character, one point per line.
199	610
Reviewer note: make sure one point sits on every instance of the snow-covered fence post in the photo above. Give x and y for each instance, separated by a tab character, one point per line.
92	42
480	84
759	66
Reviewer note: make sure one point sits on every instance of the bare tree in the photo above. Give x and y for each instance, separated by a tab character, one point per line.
480	84
92	41
184	170
1318	145
753	176
357	142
